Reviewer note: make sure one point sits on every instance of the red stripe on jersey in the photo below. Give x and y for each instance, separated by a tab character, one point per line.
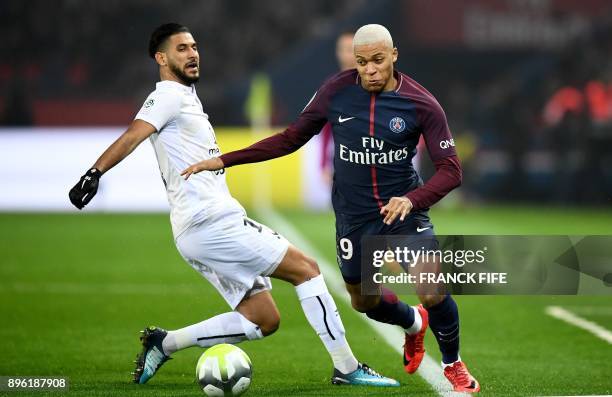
373	167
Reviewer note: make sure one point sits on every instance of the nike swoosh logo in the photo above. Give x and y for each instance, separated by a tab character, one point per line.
422	229
341	120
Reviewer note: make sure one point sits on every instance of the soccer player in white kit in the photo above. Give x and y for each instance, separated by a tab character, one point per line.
234	253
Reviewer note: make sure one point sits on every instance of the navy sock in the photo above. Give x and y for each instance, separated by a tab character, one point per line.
444	322
391	310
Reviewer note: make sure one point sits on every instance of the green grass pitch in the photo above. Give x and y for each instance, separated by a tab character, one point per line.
75	289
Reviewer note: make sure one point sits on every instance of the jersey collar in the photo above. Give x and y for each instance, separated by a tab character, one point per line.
398	77
175	86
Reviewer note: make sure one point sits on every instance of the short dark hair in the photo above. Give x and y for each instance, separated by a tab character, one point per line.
161	34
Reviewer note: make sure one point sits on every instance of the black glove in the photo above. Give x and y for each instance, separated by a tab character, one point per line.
83	192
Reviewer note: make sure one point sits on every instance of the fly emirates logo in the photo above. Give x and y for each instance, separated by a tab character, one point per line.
373	153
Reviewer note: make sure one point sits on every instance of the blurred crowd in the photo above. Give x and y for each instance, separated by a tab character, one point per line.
533	125
542	129
81	49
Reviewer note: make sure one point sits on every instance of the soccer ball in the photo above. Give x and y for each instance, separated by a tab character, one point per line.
224	370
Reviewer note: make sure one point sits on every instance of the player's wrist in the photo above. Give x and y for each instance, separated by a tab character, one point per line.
95	172
410	201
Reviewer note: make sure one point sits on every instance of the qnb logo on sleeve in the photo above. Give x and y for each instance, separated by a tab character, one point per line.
446	143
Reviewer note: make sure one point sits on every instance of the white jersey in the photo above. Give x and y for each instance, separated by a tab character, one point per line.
185	136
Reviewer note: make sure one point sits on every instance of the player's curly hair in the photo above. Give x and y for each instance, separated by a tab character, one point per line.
161	34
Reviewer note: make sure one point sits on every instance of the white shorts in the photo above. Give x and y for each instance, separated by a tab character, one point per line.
235	254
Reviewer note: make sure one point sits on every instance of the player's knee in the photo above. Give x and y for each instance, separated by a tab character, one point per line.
359	306
430	300
362	303
270	324
296	267
307	268
312	267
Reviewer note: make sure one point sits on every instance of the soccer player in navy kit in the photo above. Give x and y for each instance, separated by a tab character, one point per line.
377	116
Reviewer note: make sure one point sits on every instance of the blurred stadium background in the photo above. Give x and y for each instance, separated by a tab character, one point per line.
527	89
526	85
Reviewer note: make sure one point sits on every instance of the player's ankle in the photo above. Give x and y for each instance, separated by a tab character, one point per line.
449	361
416	326
169	345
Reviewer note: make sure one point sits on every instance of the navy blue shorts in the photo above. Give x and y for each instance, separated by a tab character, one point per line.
349	238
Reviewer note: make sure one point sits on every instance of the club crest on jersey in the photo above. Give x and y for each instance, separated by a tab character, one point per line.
149	103
397	125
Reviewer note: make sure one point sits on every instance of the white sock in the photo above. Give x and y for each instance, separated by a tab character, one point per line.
322	314
231	327
451	364
418	322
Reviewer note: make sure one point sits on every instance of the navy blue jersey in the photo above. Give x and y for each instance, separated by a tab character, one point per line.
375	138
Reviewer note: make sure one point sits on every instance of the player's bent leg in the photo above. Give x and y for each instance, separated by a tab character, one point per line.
430	300
387	308
260	309
296	267
318	306
322	314
378	303
231	327
444	323
359	302
414	348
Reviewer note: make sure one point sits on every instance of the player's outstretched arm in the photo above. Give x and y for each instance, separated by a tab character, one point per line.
277	145
205	165
308	124
137	132
82	193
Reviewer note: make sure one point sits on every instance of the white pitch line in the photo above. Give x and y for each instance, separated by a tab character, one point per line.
604	311
577	321
429	370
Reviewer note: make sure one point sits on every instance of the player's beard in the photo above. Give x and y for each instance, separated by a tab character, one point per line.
178	72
